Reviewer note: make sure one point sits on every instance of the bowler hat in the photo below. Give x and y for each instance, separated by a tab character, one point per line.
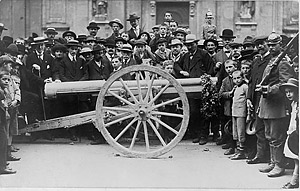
120	39
247	54
211	40
2	26
133	16
93	25
12	49
126	48
58	46
117	21
248	40
179	30
227	33
97	48
291	83
73	43
50	31
190	38
235	44
69	33
175	42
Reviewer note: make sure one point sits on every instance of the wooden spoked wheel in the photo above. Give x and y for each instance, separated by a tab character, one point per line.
148	116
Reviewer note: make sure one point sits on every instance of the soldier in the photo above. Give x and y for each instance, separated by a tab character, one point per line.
272	107
209	29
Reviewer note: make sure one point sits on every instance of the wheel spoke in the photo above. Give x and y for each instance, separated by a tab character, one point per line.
149	89
116	109
159	93
128	90
146	136
167	114
120	98
165	125
166	103
139	86
135	134
125	129
157	133
118	120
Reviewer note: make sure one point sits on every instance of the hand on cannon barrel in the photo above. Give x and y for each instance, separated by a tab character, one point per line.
48	80
185	73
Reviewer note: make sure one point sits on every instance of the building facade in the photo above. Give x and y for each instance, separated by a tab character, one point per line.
260	17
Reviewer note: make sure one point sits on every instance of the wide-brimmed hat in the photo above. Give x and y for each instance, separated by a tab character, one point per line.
97	48
140	42
260	38
38	40
211	40
235	44
58	46
126	48
247	54
120	39
73	43
274	38
132	16
155	27
86	49
179	30
69	33
2	26
117	21
175	42
81	37
5	59
90	38
100	40
93	25
291	83
227	33
51	31
248	40
190	38
161	40
12	49
110	42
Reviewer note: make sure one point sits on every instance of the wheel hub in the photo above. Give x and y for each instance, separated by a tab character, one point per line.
143	112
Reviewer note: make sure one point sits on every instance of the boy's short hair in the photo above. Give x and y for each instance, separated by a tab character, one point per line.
229	61
237	71
167	63
246	62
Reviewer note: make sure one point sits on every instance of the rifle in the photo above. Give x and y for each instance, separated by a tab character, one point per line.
275	62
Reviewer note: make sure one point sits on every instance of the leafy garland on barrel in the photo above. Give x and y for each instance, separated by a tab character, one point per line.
210	99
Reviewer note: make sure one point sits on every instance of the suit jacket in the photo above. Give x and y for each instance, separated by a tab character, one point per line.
258	67
226	87
47	69
200	64
273	106
153	42
132	34
220	72
94	72
70	71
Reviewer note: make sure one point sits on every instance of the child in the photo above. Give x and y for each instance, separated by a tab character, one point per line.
162	53
291	147
168	66
245	69
116	63
226	93
239	113
4	122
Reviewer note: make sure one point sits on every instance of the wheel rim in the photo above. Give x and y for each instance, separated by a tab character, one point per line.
140	110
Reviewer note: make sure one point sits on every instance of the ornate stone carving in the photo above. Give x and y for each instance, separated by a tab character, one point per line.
99	9
153	8
192	8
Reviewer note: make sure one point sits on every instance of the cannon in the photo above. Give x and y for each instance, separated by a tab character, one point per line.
135	124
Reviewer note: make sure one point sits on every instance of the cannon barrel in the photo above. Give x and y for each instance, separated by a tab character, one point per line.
94	86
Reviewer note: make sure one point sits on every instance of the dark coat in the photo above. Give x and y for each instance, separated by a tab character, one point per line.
69	71
94	72
153	42
132	34
226	87
200	64
220	72
47	69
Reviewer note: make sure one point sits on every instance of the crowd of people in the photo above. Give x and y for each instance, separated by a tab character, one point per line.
257	84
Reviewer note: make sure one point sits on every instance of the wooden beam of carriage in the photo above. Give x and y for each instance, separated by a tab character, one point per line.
190	85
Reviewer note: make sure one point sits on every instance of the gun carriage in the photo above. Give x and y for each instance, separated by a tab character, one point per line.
133	121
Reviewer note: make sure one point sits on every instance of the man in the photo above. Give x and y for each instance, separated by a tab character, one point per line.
116	26
173	27
127	59
69	35
142	54
194	64
135	29
211	46
180	34
176	46
168	18
272	106
50	33
162	34
258	67
110	49
248	43
208	29
90	41
93	29
236	49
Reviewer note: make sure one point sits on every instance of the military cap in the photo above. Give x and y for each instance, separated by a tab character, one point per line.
274	38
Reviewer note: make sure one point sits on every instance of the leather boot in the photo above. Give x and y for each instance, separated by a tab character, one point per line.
241	152
267	168
276	172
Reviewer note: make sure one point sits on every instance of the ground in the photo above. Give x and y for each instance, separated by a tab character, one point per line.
59	164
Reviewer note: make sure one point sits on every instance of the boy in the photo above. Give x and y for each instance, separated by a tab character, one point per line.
226	94
162	53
